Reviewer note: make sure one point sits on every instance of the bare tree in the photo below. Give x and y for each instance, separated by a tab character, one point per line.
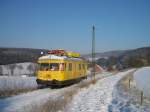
36	67
20	68
31	69
12	67
1	70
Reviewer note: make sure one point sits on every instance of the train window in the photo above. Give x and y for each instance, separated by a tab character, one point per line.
51	66
70	67
79	66
44	66
54	66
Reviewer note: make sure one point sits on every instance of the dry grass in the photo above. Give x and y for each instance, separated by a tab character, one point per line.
59	104
8	93
125	81
52	105
125	84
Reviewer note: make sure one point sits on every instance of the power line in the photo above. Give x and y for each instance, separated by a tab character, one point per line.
93	51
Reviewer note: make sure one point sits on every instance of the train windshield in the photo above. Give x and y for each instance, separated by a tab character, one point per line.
52	66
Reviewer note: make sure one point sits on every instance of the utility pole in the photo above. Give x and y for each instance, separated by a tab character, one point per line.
93	52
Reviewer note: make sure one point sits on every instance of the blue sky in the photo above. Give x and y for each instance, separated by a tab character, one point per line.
67	24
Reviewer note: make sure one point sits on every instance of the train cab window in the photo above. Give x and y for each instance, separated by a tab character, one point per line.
44	66
70	67
54	66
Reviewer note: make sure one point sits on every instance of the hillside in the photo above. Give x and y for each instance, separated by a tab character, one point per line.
123	59
19	55
107	54
120	59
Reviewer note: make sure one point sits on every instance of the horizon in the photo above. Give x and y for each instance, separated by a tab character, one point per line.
77	51
53	24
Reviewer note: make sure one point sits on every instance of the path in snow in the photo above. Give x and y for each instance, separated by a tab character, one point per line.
96	98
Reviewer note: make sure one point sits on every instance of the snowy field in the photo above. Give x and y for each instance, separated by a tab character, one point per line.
9	83
142	78
95	98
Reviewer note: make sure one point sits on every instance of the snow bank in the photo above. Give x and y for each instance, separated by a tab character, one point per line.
142	78
18	69
8	83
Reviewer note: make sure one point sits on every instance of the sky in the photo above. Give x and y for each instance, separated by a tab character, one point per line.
67	24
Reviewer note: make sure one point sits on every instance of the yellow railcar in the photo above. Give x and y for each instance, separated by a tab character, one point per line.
61	69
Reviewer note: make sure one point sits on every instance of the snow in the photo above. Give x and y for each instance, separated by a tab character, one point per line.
59	58
96	98
18	69
52	57
36	98
99	97
142	78
18	103
31	101
17	82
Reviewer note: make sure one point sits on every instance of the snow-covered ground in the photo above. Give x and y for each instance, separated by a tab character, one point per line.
18	69
9	83
96	98
142	78
24	102
30	100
